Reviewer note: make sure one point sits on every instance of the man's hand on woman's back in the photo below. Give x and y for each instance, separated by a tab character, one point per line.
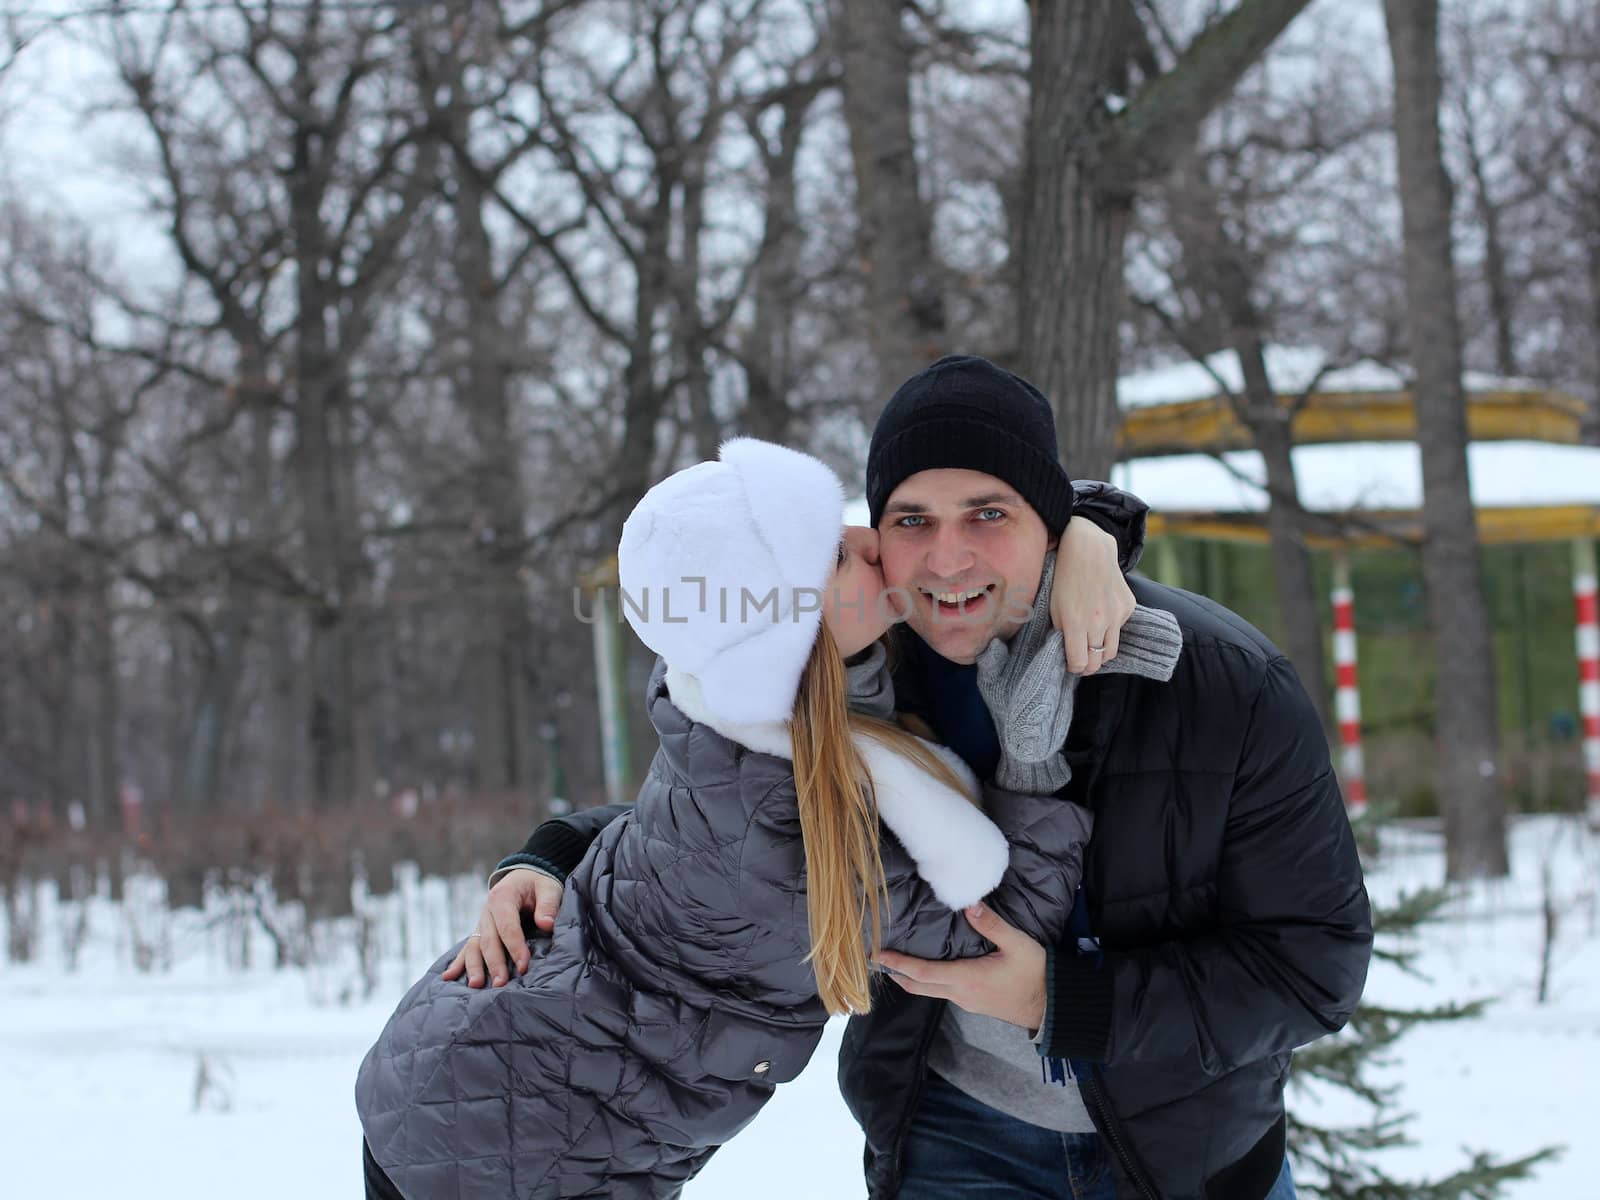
499	943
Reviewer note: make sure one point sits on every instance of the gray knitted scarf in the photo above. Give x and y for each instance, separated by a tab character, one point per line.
1029	692
871	690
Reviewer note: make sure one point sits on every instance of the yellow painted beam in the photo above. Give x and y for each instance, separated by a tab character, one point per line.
1378	530
1211	425
602	574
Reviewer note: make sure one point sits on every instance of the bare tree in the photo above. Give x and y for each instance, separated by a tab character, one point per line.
1092	141
668	100
1470	789
1559	157
904	301
1217	270
1223	236
1491	122
449	55
69	408
768	349
431	275
299	84
452	284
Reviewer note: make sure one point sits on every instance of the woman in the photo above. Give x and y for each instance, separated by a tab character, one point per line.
708	934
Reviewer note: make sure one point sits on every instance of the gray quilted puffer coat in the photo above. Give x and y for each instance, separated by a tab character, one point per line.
672	997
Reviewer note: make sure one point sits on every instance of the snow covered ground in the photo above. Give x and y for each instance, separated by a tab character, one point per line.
99	1065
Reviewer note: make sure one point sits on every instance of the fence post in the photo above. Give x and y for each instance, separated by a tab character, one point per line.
1588	646
611	678
1347	695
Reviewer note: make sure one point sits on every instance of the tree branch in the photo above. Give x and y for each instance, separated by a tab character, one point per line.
1164	118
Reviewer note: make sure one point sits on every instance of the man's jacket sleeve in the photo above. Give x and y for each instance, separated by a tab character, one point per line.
559	845
1119	513
1288	957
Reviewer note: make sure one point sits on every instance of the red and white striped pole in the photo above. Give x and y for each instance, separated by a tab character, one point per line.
1347	694
1588	638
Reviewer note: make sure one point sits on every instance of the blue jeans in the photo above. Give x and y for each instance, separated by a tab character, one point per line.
960	1149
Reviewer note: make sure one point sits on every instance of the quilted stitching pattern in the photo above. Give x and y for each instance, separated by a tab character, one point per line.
626	1054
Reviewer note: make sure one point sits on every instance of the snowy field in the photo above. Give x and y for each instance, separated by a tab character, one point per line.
206	1080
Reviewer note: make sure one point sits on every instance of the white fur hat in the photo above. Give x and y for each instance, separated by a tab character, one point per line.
723	567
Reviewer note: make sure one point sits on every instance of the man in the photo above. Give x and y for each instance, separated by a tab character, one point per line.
1222	922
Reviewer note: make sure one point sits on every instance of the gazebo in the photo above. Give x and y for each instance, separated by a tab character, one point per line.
1358	468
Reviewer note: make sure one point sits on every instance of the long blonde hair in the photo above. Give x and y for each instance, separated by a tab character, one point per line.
847	896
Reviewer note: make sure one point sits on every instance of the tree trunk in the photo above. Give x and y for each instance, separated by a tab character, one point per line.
690	324
1074	229
1470	793
224	658
331	734
60	696
1592	423
643	399
358	619
1083	167
1502	299
504	638
221	670
1072	289
768	355
287	783
322	455
1217	268
331	665
905	303
104	769
164	813
1299	609
105	758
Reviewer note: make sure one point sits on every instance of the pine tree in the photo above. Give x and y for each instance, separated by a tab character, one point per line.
1348	1157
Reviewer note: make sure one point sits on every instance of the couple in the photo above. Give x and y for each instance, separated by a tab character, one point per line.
1128	1037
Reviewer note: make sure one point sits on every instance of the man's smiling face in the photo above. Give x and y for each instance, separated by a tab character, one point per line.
969	551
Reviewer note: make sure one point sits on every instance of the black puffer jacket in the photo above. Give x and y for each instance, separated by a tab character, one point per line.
1222	881
673	993
1223	884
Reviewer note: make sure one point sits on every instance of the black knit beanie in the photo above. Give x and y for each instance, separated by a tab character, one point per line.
963	411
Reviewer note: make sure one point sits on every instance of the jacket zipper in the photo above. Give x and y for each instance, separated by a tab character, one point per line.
1090	1086
916	1092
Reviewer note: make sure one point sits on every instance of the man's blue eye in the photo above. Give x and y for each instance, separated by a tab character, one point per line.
839	562
905	522
984	514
